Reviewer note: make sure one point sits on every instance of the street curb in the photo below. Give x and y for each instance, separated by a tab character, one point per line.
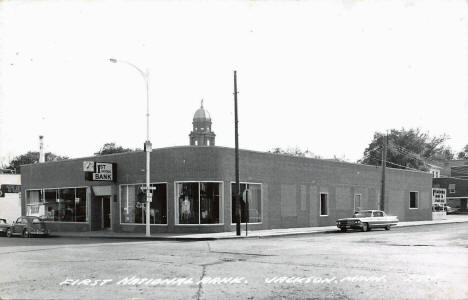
189	239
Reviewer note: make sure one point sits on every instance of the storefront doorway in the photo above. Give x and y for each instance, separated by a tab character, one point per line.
101	208
106	212
102	213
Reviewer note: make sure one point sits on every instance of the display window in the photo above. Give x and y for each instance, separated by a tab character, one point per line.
250	202
198	202
133	204
34	203
60	204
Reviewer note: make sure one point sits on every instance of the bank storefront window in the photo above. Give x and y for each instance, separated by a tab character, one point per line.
34	203
132	204
251	193
198	202
61	204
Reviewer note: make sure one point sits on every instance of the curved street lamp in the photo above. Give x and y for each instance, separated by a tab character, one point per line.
149	194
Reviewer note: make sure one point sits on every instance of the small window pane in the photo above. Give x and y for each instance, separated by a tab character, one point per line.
80	205
209	203
34	203
451	188
133	201
33	197
188	203
66	204
250	202
50	197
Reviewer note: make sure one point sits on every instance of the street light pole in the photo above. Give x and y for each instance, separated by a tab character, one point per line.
149	195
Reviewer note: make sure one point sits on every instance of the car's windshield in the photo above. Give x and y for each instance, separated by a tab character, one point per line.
363	214
2	221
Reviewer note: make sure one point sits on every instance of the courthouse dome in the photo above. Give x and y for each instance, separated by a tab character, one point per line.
202	113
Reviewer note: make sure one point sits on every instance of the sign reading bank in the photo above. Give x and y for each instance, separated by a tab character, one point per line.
99	171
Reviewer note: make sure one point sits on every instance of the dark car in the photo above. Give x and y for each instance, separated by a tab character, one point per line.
3	226
27	227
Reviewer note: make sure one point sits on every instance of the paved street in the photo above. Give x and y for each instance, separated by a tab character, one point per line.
421	262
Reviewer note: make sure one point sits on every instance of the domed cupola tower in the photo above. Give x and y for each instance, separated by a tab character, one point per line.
202	134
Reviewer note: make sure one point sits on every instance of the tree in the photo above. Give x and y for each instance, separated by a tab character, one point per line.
463	154
110	148
296	151
32	157
407	148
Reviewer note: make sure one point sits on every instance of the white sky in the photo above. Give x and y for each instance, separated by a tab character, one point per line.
319	75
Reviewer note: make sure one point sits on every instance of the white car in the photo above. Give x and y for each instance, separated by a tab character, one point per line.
366	220
450	210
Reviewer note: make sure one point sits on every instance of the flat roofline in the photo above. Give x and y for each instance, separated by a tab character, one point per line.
229	148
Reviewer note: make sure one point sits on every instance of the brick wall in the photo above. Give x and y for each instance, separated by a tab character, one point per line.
291	186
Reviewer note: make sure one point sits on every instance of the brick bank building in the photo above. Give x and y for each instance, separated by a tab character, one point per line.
194	189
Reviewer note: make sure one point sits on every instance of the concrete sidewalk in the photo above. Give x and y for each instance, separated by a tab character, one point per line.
232	234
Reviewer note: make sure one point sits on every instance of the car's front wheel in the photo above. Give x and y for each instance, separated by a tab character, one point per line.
343	229
387	227
365	227
8	232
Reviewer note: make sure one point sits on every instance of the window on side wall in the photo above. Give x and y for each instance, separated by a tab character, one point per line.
250	203
357	202
414	200
323	204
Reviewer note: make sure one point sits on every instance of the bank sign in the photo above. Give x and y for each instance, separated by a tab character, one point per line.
99	171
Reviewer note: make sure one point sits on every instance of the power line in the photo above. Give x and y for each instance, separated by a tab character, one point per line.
395	164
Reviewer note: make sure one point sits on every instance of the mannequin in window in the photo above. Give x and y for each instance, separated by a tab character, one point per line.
185	208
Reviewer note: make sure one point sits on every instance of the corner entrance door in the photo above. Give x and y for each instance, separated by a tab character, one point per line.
106	212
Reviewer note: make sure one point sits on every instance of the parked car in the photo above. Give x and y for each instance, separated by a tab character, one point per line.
366	220
27	227
450	210
3	226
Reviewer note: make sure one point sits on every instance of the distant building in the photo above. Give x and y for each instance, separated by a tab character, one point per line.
7	171
456	185
201	134
10	196
448	164
459	171
434	170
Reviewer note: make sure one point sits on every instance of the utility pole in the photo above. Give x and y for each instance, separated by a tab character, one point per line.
237	188
384	164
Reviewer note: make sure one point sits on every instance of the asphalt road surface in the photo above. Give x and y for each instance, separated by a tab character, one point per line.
422	262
